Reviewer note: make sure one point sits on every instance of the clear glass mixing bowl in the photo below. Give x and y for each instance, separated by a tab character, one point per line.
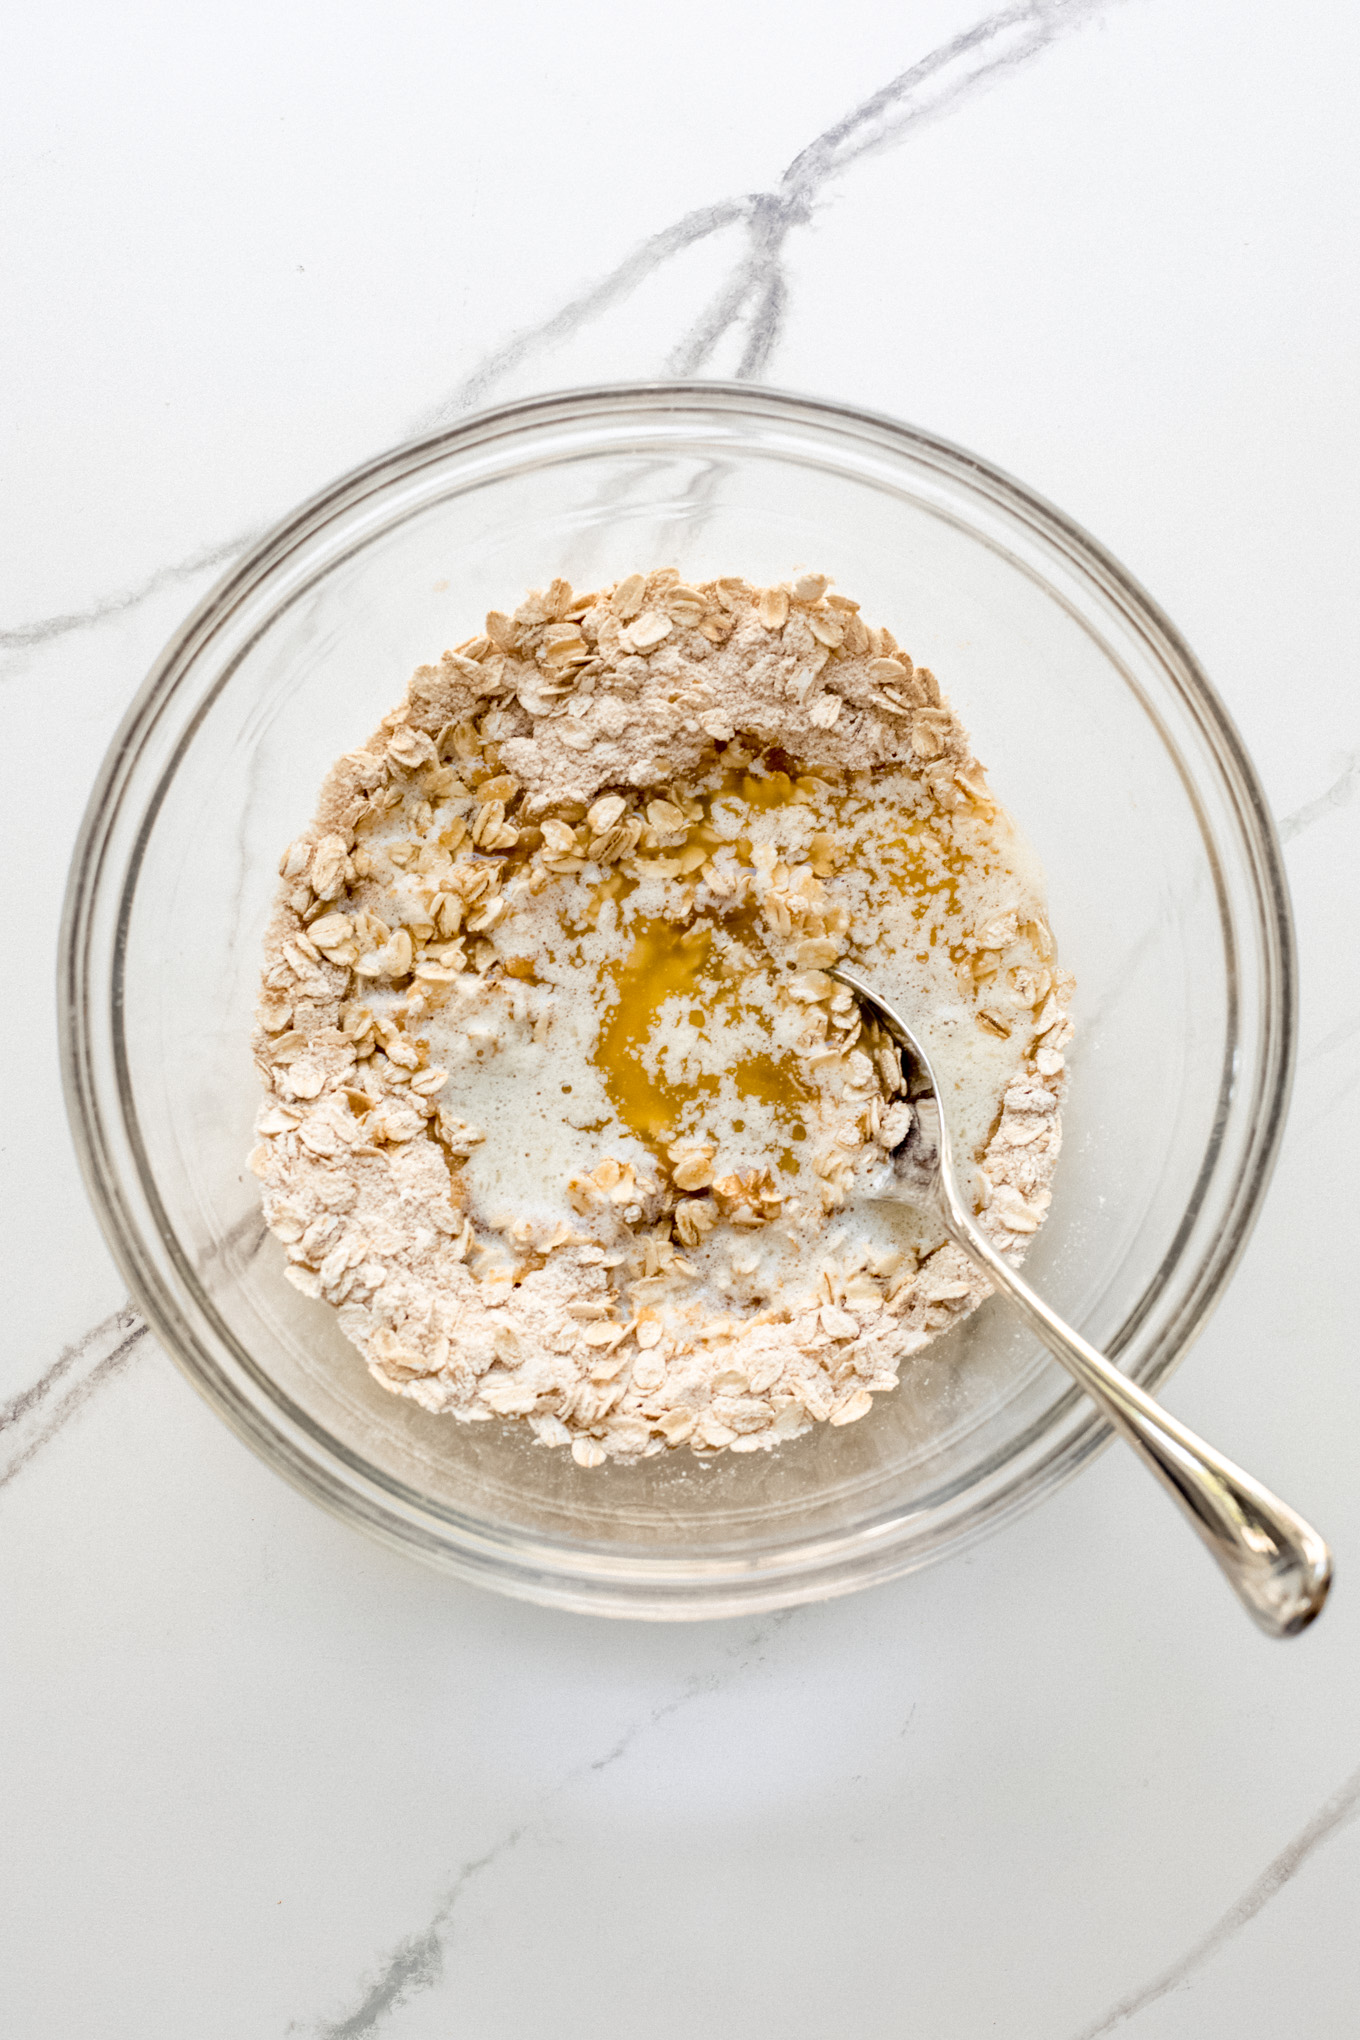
1104	739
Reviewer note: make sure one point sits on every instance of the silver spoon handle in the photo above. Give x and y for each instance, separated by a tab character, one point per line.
1277	1564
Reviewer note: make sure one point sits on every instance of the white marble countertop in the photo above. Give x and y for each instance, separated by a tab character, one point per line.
264	1778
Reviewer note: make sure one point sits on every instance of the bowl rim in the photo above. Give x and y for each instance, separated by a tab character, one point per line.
90	1036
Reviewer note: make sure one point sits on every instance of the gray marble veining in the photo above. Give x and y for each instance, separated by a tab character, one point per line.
416	1964
32	1418
1333	1815
757	287
406	1983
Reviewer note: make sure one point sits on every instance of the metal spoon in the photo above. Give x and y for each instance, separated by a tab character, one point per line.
1277	1564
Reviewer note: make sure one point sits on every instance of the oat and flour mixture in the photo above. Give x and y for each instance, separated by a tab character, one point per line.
565	1117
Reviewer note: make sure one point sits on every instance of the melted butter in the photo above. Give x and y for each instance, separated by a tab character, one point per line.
926	870
856	836
666	962
767	790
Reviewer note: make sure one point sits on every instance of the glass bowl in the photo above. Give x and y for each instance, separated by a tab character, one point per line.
1103	738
